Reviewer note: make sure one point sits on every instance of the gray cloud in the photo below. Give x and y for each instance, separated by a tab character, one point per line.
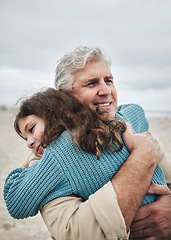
141	84
34	31
136	34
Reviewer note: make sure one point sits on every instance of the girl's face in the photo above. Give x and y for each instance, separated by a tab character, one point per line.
32	129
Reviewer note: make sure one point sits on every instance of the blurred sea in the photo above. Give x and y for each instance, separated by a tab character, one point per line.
157	113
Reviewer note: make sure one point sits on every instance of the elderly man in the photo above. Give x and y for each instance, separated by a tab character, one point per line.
109	213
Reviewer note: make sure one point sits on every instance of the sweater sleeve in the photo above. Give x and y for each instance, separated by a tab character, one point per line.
26	189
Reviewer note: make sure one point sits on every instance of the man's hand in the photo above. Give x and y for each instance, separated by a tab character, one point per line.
153	221
158	189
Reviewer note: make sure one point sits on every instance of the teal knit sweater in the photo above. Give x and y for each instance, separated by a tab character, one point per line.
65	170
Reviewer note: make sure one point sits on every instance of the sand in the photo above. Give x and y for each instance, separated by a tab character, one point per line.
13	152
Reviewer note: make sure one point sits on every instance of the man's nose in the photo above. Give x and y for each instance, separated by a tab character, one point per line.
104	89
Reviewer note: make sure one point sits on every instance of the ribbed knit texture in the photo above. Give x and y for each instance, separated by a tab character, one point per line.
65	170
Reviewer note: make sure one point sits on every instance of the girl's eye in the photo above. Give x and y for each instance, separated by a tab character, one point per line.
31	129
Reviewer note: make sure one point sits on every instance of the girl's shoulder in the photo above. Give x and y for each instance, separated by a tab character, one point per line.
61	144
64	138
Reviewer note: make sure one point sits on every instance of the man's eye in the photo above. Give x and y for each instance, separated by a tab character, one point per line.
91	84
109	80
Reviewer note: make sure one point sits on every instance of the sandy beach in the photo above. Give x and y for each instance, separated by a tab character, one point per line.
13	152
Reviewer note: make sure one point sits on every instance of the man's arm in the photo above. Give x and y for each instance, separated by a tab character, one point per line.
134	177
155	218
69	216
98	218
165	164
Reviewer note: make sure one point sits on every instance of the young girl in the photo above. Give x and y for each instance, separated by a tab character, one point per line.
82	150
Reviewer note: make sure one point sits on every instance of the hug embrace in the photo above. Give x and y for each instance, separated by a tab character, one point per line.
97	159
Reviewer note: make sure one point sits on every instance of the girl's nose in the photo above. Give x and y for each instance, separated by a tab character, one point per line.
30	143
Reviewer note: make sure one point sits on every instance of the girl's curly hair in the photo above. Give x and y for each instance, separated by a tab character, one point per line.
90	130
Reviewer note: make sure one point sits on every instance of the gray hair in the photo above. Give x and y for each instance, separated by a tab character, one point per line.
73	61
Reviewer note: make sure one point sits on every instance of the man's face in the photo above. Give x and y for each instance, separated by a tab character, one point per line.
93	86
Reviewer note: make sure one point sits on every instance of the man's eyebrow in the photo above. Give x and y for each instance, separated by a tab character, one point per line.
109	76
90	80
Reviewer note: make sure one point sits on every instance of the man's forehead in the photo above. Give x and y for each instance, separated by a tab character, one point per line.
91	73
91	76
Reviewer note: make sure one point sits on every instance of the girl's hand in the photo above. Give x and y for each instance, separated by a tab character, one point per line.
26	163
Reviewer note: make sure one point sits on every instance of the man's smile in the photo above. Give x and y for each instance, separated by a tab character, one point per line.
103	104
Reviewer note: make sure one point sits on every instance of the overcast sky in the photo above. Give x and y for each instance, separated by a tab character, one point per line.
136	34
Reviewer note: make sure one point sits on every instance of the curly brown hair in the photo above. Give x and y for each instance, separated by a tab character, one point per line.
90	130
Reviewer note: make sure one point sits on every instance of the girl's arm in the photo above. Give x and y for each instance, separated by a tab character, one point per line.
25	190
32	158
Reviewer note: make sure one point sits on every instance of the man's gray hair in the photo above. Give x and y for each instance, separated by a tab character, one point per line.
76	60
